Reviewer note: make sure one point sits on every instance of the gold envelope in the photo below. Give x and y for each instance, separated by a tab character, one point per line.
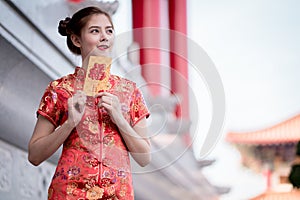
97	75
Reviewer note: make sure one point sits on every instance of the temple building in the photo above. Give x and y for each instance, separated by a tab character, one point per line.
272	152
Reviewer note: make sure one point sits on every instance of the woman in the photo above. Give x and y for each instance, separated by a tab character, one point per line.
96	132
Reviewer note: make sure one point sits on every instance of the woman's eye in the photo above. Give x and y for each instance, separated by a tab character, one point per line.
110	31
94	31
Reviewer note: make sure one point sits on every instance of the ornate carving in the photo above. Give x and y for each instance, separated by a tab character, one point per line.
6	164
109	7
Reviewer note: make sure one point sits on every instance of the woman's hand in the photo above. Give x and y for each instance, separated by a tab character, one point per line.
76	108
135	138
45	134
112	104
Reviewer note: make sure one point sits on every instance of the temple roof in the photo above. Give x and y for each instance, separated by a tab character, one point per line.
293	195
284	132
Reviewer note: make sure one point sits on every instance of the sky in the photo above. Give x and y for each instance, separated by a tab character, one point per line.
255	46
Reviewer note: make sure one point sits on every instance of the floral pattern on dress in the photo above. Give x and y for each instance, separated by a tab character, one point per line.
95	162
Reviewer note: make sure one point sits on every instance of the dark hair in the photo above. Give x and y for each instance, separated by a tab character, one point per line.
298	149
73	25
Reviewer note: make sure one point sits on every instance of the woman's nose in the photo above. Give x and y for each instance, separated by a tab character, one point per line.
103	36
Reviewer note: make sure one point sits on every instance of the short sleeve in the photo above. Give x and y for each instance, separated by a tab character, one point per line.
49	106
138	107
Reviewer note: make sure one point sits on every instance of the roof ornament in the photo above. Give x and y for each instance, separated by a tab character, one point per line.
110	7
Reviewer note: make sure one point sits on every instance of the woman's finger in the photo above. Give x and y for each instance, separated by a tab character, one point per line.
81	107
107	99
107	106
79	95
104	94
101	103
77	102
100	94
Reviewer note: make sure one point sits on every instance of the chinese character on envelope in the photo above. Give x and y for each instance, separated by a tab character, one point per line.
97	75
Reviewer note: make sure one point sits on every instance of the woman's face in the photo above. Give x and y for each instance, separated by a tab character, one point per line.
98	34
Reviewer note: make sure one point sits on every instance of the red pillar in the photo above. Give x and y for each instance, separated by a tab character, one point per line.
145	14
178	54
268	174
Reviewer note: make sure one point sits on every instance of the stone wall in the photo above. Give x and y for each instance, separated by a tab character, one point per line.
18	178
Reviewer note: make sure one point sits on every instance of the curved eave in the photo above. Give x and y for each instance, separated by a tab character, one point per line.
284	132
293	195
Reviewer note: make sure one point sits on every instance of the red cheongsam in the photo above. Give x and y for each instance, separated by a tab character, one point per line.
95	162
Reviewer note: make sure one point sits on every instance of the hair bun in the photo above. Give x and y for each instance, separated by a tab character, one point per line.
63	26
